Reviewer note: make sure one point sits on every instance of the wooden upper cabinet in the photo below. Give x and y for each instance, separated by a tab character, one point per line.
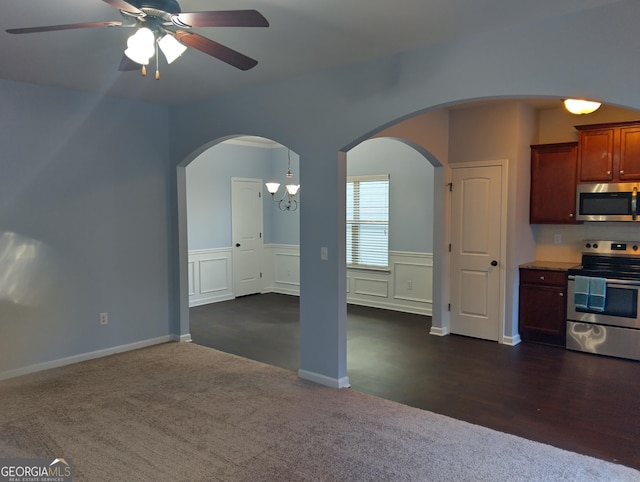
609	152
553	183
596	155
629	164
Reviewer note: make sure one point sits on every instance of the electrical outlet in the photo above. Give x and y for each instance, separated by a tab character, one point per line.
557	238
104	318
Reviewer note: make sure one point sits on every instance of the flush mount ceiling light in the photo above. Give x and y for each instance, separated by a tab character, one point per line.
288	202
162	23
581	106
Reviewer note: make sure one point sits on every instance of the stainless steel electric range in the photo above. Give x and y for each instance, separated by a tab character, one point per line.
602	300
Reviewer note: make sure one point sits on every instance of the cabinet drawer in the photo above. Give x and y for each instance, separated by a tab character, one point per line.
543	277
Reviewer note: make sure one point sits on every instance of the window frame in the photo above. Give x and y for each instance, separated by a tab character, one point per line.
357	222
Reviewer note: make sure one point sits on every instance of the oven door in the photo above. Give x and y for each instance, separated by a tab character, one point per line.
621	306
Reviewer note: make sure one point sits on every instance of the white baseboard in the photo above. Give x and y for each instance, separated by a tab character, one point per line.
438	331
281	291
182	338
511	340
83	357
324	380
211	299
385	305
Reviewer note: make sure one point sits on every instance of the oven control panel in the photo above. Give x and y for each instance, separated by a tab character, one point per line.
627	248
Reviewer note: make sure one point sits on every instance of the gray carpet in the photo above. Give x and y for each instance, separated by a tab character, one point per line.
182	412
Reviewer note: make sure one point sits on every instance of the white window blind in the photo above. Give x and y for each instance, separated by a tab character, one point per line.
368	221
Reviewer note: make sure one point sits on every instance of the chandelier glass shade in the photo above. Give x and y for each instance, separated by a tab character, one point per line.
288	202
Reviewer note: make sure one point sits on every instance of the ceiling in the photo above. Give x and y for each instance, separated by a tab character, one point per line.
303	36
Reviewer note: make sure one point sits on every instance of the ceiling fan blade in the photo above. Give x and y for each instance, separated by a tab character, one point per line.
227	18
68	26
216	50
125	7
126	64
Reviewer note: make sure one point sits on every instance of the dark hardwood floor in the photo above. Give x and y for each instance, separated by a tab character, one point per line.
576	401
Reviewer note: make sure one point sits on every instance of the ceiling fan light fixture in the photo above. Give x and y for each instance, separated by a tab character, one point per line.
171	48
141	46
581	106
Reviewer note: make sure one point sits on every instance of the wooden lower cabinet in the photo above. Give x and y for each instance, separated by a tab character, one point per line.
543	306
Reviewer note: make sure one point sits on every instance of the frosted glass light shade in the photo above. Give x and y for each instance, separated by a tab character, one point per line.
140	46
171	48
580	106
272	187
292	189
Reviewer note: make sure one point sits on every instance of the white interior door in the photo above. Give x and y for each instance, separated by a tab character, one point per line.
246	228
476	231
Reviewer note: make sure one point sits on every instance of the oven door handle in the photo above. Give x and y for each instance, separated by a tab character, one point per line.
634	203
612	283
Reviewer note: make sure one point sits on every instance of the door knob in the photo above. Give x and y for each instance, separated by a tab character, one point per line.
237	245
494	263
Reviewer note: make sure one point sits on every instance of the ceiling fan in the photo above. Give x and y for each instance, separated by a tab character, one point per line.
161	23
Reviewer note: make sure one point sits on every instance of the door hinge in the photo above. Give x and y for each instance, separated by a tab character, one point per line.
449	247
450	187
260	235
449	308
260	274
259	194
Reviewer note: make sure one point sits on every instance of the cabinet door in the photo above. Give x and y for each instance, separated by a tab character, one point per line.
553	184
629	163
595	155
543	314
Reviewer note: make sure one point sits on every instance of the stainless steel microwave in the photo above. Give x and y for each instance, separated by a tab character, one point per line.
607	202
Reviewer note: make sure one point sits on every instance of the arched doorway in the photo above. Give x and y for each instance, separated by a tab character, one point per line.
212	215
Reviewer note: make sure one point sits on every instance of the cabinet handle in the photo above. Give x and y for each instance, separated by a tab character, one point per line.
570	215
542	278
621	172
608	173
561	294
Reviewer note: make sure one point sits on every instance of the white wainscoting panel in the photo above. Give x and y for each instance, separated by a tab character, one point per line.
210	276
282	269
371	284
192	277
407	285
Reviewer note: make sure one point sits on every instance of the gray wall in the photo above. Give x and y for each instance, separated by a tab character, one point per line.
83	225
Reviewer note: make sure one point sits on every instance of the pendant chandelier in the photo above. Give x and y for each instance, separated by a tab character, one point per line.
288	202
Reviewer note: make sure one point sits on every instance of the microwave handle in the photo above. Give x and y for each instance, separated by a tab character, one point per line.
634	203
